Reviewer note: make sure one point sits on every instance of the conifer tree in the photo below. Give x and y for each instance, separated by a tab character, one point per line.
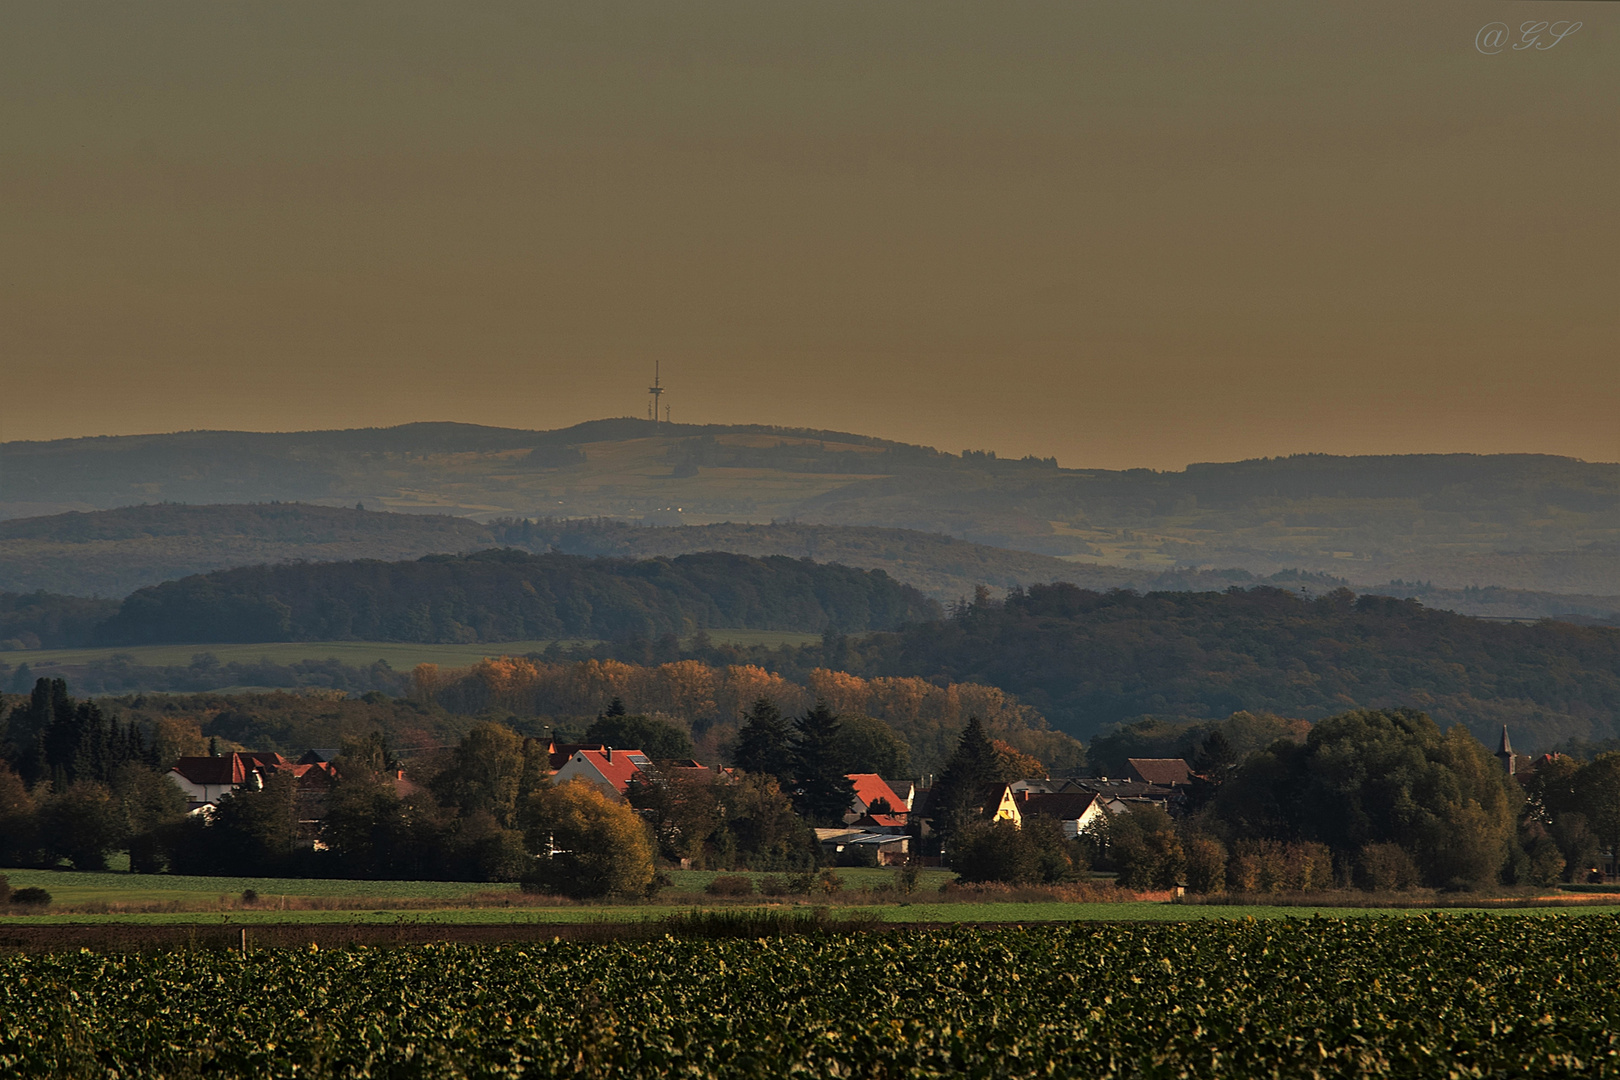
765	744
822	791
974	766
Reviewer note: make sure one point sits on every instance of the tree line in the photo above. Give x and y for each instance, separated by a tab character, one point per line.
1376	799
1088	660
508	595
710	702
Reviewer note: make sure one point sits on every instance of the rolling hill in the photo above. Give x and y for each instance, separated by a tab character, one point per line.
111	553
1532	522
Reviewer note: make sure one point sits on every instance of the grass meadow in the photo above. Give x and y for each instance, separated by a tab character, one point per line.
101	898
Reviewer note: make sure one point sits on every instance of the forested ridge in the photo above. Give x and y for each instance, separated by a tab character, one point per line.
1087	660
1522	521
507	595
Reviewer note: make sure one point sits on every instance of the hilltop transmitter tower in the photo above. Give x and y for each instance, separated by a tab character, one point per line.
657	392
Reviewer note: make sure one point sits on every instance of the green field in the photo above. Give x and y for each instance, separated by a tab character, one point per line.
401	655
72	888
122	898
1457	996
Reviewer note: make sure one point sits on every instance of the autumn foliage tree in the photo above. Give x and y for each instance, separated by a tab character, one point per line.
586	844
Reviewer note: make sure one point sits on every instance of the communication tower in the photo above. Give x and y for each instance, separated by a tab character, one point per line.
657	392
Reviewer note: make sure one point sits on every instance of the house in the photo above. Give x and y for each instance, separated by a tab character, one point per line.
1161	772
561	752
999	802
323	756
1076	811
871	789
607	768
206	780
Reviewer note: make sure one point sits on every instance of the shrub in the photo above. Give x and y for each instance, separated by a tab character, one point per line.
786	884
1386	868
1545	863
731	885
906	878
5	890
829	882
250	896
1206	863
33	896
1001	851
1266	866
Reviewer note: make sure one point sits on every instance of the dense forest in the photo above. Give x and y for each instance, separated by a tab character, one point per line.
42	620
1088	660
506	595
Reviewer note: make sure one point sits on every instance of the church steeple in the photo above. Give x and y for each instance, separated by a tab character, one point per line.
1504	753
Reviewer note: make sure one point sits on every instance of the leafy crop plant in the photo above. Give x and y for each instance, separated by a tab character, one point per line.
1425	996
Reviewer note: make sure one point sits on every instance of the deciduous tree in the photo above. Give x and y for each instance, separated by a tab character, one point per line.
587	844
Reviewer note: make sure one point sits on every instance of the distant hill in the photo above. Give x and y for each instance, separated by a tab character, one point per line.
495	596
114	552
1088	660
1531	522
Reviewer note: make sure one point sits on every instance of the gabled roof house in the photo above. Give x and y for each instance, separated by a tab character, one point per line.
607	768
870	788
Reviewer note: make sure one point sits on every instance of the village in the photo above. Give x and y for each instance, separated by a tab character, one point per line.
887	823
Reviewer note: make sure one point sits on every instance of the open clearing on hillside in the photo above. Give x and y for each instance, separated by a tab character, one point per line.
402	656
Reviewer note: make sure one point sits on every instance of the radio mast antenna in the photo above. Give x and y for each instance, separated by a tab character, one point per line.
657	392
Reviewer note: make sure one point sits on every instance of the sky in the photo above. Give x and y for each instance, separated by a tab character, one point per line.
1119	232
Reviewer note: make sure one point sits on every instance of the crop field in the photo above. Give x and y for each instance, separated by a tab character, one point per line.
1419	996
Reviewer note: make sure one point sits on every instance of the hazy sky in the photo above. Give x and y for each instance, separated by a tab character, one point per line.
1124	233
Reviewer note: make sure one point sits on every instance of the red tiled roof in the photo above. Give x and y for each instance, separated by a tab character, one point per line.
1157	770
230	769
614	765
870	787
